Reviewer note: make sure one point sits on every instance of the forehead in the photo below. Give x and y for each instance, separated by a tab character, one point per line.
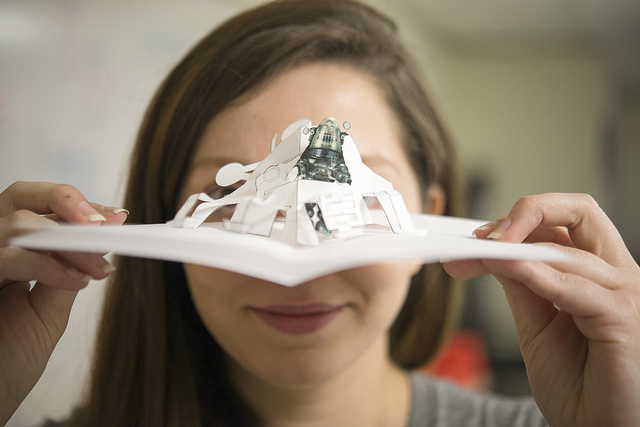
243	132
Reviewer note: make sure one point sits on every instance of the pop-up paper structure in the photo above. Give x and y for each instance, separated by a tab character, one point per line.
314	178
300	214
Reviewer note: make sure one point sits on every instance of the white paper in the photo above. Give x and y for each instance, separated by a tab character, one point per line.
435	239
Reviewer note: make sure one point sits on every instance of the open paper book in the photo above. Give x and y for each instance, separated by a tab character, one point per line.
300	213
272	260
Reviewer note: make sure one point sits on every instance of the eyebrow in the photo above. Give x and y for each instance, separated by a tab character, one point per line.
375	160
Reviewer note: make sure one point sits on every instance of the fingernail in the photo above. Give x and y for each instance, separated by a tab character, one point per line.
79	276
90	213
485	227
102	264
500	229
114	210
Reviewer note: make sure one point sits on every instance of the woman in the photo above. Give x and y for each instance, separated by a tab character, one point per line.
188	345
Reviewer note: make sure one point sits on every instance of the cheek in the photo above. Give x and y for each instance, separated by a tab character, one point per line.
212	294
384	289
411	193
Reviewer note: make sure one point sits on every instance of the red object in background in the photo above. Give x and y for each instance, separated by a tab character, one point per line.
463	361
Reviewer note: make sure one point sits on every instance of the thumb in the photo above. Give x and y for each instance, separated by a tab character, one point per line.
53	306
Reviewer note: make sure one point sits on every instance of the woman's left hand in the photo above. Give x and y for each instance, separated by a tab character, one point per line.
578	321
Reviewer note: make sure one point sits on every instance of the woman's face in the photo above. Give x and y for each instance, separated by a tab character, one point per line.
309	333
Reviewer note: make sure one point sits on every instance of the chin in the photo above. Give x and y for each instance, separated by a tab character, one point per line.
297	369
304	375
305	367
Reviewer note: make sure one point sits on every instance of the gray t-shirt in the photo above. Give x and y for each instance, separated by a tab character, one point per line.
436	403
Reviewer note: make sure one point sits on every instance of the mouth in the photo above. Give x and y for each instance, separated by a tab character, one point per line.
298	319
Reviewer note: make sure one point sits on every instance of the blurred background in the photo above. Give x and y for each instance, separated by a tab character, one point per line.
541	96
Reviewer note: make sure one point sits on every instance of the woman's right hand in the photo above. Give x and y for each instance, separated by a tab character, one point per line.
32	320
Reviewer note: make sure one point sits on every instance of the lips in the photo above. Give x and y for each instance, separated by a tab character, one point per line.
298	319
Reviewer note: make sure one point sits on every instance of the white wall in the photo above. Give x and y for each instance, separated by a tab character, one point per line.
75	78
530	125
526	124
625	170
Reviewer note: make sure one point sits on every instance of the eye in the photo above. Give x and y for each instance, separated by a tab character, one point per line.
216	192
226	212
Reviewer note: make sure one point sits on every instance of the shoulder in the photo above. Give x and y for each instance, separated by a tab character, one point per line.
437	403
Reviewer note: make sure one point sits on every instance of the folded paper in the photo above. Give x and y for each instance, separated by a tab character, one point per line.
272	260
300	213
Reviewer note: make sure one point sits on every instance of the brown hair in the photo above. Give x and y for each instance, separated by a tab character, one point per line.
155	362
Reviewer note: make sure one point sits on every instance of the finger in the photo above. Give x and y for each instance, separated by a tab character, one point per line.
113	215
46	198
531	312
92	264
53	306
547	337
19	222
20	265
586	224
34	322
65	201
543	234
23	221
465	269
572	293
588	266
598	314
582	264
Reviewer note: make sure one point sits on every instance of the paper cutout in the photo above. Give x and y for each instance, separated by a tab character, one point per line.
318	181
275	261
